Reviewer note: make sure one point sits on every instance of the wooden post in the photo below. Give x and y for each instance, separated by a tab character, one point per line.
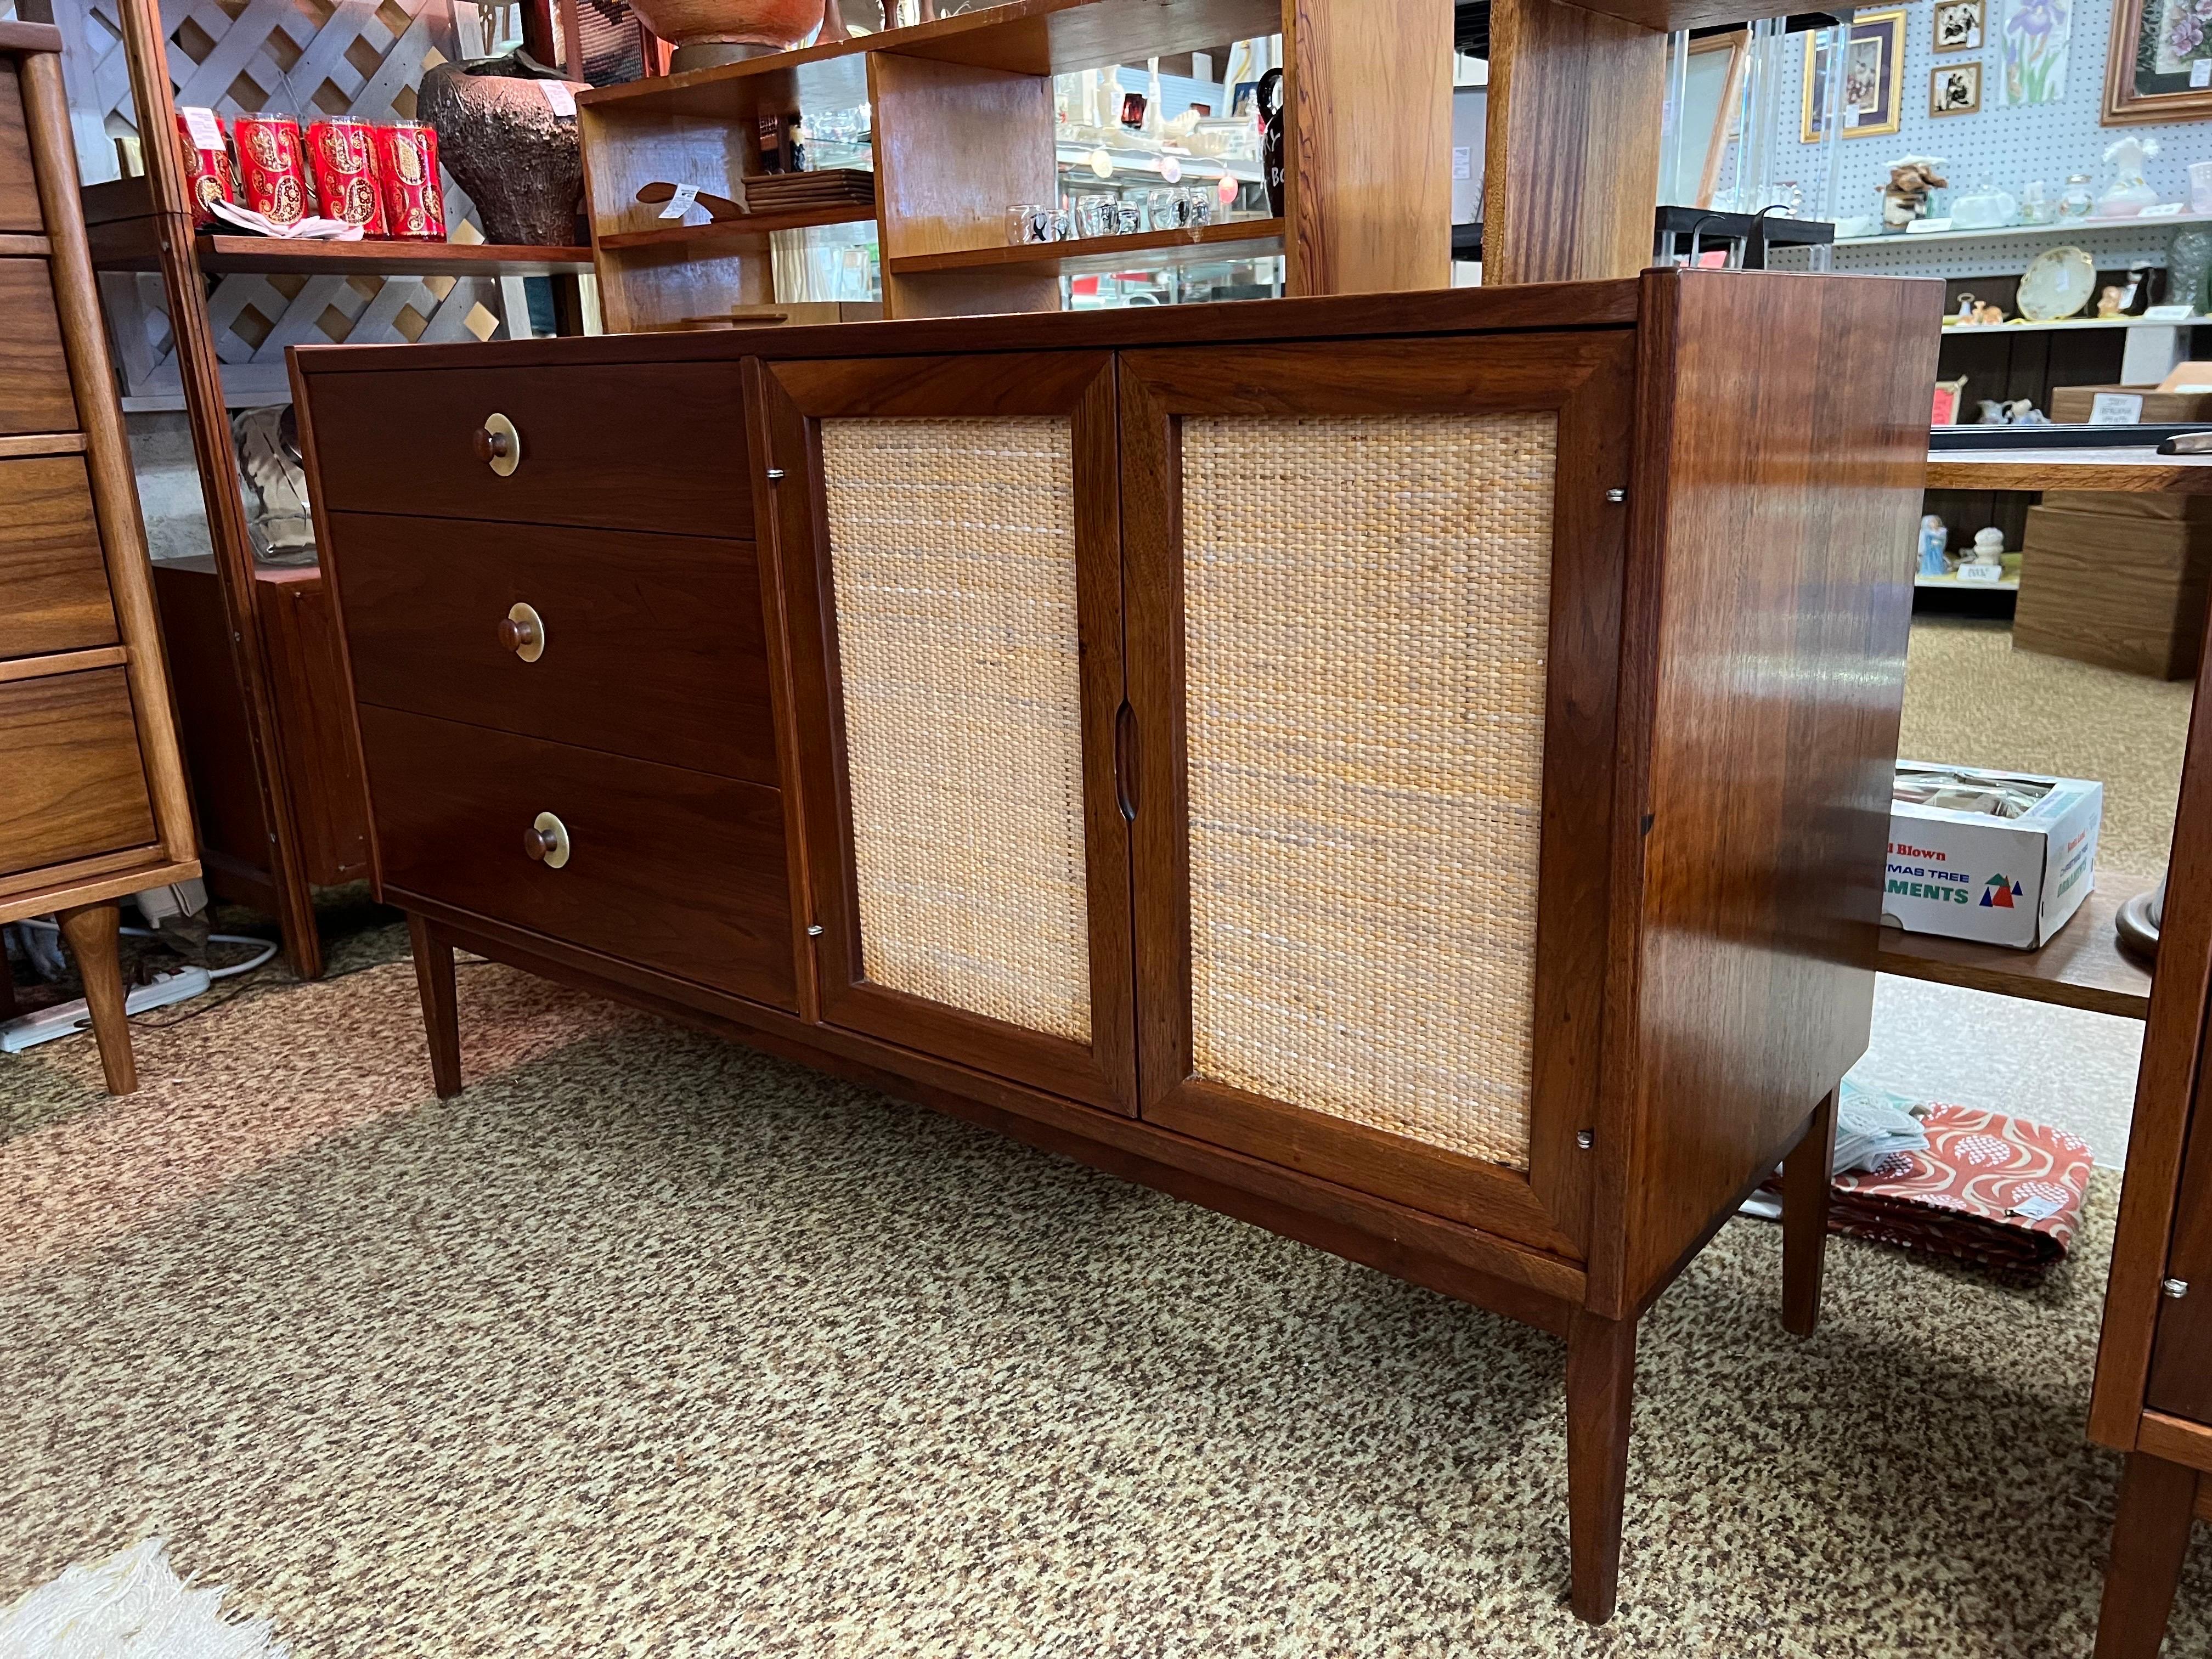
1570	174
1807	1177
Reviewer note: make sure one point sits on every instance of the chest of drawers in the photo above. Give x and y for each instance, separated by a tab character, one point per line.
1411	772
92	795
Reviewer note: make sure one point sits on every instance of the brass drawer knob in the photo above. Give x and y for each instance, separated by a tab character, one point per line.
547	840
522	631
499	445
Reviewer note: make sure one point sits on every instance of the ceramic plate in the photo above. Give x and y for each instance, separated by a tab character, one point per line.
2059	283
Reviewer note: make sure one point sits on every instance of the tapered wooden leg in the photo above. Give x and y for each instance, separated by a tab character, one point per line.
1600	1377
441	1016
1807	1175
2150	1537
90	930
7	988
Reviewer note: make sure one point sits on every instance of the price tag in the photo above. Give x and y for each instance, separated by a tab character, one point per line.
1988	574
686	198
2200	74
1462	160
558	98
2116	409
2038	1208
206	130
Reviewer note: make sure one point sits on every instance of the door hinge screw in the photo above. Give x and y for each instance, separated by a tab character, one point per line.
2176	1288
773	473
1585	1138
815	932
1616	497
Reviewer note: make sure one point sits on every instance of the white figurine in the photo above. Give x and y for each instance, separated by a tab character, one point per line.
1987	554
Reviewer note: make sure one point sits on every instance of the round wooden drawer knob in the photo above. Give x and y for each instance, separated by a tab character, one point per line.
499	445
522	631
547	840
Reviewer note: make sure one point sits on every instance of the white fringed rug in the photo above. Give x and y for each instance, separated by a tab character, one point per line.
132	1605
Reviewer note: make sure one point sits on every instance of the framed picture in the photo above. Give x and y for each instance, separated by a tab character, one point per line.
1955	88
1874	75
1958	25
2159	66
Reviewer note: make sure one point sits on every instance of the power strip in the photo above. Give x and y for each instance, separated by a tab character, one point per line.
67	1019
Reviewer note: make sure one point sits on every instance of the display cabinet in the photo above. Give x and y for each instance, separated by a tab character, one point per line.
1412	773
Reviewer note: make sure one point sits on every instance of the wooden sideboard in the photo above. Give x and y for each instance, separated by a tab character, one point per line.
1411	772
92	804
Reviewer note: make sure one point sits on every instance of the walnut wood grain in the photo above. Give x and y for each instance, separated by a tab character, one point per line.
1808	1177
2142	470
2123	592
675	621
1601	1389
2080	966
434	980
1753	819
1571	157
34	384
679	871
68	751
620	450
63	662
19	184
2150	1540
52	569
91	932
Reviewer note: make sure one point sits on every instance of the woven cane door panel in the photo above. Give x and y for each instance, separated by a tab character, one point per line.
1367	611
952	555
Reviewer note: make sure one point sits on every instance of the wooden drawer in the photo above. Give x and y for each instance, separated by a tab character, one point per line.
54	580
653	644
645	446
19	185
35	387
677	871
73	784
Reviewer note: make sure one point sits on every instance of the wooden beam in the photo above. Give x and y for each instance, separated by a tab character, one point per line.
1572	172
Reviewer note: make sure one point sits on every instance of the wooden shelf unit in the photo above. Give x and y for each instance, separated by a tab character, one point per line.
2080	966
964	129
724	230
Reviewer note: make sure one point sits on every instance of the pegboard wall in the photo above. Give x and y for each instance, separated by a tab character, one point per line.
2008	147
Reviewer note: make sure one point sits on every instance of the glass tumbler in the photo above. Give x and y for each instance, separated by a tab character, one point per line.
1199	205
1094	215
1128	218
1167	209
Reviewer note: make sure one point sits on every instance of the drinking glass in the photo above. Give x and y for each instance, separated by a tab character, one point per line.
1128	218
1167	209
1199	205
1094	215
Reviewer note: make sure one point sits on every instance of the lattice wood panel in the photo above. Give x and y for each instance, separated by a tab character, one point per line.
310	57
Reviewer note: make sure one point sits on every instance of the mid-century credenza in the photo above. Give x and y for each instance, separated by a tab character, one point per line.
2153	1392
93	803
1411	771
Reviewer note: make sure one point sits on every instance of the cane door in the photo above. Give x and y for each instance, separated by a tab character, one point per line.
1373	626
950	534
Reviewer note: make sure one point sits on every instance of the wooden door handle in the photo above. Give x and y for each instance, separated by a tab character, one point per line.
522	631
498	444
546	841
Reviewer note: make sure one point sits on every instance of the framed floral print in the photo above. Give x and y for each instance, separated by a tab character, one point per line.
2159	67
2031	43
1874	75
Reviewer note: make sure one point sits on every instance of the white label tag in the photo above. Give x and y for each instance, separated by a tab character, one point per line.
2116	409
206	130
1981	573
2161	210
1850	115
1462	160
2168	313
558	98
2038	1208
686	198
2200	74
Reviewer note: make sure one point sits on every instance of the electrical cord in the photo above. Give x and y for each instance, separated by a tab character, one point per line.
268	950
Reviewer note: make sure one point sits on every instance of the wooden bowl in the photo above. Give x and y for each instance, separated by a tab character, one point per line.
774	23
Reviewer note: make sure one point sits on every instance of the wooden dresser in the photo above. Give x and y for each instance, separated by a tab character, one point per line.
2153	1392
1412	772
92	794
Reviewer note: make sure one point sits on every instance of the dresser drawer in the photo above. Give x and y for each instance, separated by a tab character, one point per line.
53	580
651	645
19	185
71	783
677	871
643	447
34	387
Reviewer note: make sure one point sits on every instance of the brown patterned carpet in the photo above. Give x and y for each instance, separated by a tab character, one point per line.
649	1346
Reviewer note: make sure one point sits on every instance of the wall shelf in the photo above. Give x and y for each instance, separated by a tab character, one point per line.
2070	227
2003	585
755	224
2065	324
1243	239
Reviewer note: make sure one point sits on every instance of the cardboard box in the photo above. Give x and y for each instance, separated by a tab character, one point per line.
1996	880
2126	406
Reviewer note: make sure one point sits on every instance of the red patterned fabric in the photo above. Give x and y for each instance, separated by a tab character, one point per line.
1989	1188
